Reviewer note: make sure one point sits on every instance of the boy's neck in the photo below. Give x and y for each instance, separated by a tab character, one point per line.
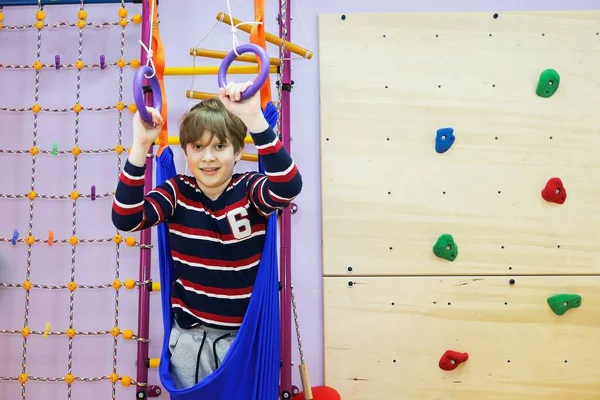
214	193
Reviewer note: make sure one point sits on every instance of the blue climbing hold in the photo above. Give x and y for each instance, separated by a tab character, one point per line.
444	139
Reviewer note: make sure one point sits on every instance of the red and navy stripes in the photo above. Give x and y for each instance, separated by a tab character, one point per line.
216	245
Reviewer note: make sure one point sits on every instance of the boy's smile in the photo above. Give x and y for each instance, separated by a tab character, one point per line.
209	170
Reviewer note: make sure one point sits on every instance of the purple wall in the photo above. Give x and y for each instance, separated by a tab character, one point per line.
183	24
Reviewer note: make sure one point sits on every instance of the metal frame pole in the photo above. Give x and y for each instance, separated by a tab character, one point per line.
285	228
145	241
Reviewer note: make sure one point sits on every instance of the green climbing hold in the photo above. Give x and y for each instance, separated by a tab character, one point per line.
561	303
446	247
548	83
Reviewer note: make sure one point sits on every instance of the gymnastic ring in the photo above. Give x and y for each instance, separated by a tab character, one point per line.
138	92
263	74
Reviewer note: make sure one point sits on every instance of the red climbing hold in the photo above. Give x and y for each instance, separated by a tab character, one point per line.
321	393
451	359
555	191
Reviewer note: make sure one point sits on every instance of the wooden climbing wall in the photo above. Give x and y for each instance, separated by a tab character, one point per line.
392	308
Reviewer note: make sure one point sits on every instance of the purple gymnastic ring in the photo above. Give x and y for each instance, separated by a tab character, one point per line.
138	92
263	74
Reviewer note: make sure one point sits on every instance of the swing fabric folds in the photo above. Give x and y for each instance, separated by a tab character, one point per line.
250	369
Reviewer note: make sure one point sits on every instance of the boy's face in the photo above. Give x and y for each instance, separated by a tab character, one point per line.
212	163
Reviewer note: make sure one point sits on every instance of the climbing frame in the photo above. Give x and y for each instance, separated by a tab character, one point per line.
515	193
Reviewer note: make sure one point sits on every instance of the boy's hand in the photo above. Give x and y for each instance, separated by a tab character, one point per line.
144	133
249	110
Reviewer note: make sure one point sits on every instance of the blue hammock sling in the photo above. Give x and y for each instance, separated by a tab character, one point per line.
250	369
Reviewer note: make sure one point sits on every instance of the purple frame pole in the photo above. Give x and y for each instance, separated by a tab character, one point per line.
285	226
145	239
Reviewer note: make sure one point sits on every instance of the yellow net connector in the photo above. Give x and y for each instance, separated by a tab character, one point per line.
153	362
47	329
155	286
117	238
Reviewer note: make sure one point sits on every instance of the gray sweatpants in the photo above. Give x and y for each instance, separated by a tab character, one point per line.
197	352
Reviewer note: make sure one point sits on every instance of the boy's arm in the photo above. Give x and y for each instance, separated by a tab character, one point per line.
132	211
282	181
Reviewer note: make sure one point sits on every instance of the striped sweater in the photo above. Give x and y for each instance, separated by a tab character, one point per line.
216	245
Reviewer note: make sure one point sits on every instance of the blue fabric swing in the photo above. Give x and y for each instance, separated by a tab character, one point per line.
250	369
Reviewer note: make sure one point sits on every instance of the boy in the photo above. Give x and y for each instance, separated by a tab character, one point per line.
216	220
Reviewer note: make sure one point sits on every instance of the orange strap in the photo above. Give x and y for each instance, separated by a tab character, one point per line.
257	36
158	51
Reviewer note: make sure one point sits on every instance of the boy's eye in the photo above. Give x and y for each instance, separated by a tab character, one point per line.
220	146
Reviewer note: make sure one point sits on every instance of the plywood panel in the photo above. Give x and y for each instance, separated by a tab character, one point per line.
389	81
384	337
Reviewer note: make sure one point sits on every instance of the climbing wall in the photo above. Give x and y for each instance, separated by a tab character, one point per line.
460	192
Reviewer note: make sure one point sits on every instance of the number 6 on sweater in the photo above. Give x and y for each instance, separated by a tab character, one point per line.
239	223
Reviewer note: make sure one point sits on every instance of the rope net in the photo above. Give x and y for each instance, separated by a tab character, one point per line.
52	246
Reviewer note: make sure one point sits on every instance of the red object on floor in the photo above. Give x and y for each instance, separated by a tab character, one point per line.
451	359
321	393
554	191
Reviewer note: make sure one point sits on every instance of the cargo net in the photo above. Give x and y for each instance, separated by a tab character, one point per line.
20	245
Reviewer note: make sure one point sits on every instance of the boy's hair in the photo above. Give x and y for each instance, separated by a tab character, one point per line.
211	115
